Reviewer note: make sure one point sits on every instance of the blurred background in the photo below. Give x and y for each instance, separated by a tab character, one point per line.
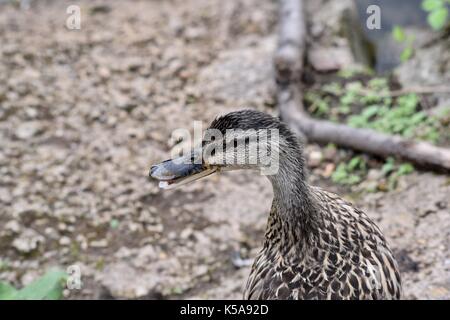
85	112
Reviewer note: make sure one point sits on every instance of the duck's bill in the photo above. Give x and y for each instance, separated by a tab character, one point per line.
177	172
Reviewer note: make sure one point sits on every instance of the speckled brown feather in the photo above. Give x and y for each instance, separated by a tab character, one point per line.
317	245
335	265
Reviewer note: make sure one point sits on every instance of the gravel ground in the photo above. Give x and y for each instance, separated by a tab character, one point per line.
84	113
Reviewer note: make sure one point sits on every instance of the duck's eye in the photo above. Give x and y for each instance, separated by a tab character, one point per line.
235	143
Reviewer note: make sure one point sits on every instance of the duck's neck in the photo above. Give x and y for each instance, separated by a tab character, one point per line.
293	220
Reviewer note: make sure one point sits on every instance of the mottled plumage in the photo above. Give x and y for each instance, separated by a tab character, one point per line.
343	256
317	245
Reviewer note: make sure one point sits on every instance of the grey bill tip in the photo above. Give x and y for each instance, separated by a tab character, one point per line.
174	169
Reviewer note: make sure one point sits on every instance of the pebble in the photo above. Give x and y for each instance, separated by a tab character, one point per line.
28	241
99	243
65	241
28	130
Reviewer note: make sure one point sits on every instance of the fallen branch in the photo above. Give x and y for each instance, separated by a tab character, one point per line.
288	62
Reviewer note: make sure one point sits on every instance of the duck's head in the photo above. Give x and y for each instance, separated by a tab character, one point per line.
245	139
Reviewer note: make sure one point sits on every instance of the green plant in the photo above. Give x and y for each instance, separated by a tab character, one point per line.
114	223
401	118
318	105
378	109
437	18
354	71
4	265
400	36
437	12
393	171
48	287
350	173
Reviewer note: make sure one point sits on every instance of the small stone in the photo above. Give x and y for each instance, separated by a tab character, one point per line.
65	241
374	175
104	73
51	233
329	153
28	241
81	239
314	158
99	243
328	171
158	228
186	233
13	226
330	59
28	130
5	196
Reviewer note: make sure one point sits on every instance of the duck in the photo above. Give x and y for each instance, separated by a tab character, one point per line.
317	246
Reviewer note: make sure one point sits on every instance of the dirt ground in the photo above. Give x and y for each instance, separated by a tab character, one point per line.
83	115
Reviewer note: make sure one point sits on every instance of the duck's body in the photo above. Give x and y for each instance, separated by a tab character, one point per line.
317	246
344	256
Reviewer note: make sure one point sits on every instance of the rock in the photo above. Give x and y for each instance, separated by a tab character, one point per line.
28	241
330	59
81	239
329	169
104	73
429	66
51	233
374	175
186	233
238	76
5	195
65	241
314	158
329	153
99	243
124	282
13	226
28	130
155	228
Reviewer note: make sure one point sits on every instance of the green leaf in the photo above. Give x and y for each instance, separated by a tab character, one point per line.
340	174
354	163
48	287
430	5
114	223
405	168
370	111
406	54
388	166
437	18
7	291
398	34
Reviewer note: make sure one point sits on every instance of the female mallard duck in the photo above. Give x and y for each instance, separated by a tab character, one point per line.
317	245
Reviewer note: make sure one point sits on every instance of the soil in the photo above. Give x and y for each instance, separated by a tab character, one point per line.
83	115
